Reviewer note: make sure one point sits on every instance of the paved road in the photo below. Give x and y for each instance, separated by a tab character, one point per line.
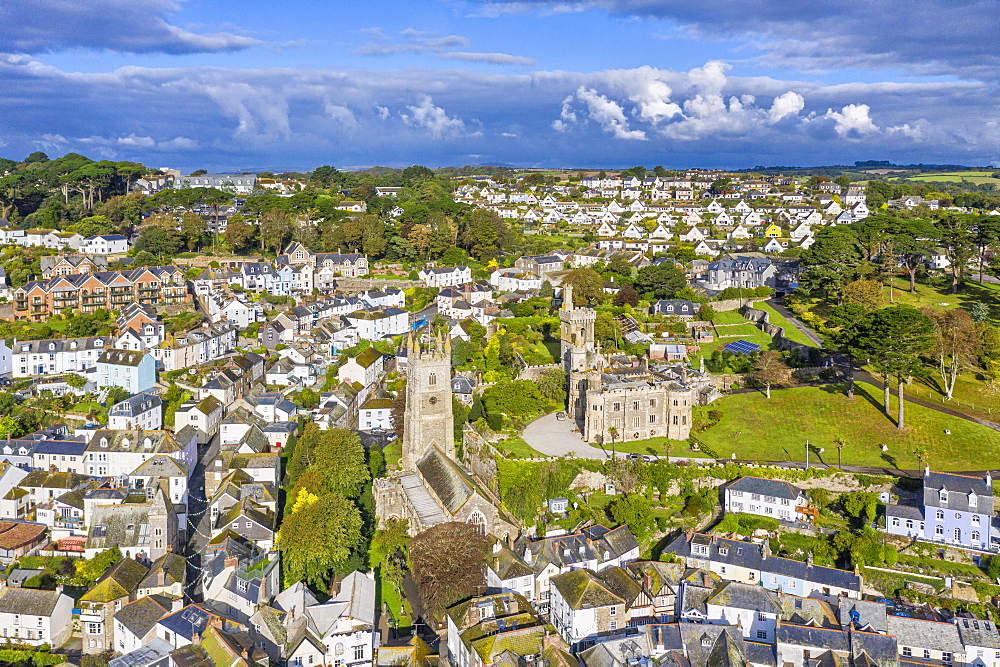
806	331
557	438
199	521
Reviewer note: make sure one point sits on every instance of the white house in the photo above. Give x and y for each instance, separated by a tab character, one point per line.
35	617
514	279
109	244
365	368
344	626
142	410
375	324
376	413
45	357
204	415
754	609
446	276
765	497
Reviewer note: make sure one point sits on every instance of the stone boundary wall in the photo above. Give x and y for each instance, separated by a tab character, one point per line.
762	319
480	457
533	373
364	284
734	304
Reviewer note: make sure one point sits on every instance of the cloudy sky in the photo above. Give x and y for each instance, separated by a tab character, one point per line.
231	85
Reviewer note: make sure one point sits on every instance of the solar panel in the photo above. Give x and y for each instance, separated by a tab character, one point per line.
742	346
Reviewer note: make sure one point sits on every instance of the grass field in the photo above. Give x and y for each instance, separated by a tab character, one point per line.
728	317
977	177
939	297
791	332
517	448
777	429
971	395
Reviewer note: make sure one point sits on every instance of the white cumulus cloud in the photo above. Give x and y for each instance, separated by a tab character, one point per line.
852	120
434	119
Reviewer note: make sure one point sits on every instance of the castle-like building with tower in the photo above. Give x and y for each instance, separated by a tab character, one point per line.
432	487
615	404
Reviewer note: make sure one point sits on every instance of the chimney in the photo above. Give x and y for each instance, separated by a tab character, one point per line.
231	561
927	471
497	546
989	479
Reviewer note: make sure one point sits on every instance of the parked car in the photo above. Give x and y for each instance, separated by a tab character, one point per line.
561	416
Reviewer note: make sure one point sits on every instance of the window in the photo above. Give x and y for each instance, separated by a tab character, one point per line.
946	657
975	519
907	651
939	515
613	625
359	652
958	534
652	419
339	649
762	634
614	611
975	536
94	628
432	379
895	521
761	616
927	654
652	402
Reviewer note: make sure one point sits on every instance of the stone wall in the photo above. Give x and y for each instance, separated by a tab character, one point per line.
363	284
480	457
734	304
533	373
762	318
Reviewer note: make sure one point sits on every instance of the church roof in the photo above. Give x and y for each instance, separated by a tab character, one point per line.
447	480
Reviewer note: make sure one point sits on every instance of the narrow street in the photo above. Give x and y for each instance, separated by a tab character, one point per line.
199	520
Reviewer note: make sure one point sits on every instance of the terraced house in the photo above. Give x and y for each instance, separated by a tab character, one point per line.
111	290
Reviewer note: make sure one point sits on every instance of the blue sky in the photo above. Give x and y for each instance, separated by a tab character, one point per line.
256	85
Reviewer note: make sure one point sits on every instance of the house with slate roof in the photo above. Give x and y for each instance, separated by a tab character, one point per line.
483	628
751	563
143	411
129	369
772	498
957	510
205	416
166	577
114	588
135	623
35	617
584	603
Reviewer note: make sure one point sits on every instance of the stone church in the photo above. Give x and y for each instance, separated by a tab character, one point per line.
432	487
618	402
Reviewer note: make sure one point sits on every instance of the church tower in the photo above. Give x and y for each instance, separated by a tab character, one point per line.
428	420
576	344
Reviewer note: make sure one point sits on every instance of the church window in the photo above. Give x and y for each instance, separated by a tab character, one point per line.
432	379
478	521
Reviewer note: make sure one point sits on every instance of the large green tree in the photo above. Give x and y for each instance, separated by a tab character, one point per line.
893	339
448	564
318	536
663	281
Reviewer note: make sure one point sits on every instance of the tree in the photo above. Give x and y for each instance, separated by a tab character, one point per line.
588	287
158	241
832	261
546	291
913	242
893	340
308	399
662	281
956	235
769	369
191	227
116	395
843	180
88	571
633	509
839	444
862	505
920	452
626	296
865	293
448	562
95	225
341	456
318	537
552	384
979	311
389	547
956	344
607	331
275	227
239	232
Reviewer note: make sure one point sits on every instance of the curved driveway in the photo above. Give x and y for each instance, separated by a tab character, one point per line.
552	437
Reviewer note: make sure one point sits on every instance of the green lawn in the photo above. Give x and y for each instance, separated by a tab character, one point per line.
742	330
392	597
791	332
977	177
393	452
971	396
939	297
754	427
517	448
656	446
728	317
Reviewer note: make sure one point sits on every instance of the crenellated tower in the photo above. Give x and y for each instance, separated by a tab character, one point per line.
428	420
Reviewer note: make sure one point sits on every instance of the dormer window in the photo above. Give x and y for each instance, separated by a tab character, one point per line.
104	442
52	346
973	501
943	495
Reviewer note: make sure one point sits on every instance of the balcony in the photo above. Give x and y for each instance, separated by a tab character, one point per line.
149	289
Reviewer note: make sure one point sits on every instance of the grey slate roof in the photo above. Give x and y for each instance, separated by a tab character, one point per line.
135	405
813	637
766	487
745	596
959	489
974	632
916	632
140	616
30	601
